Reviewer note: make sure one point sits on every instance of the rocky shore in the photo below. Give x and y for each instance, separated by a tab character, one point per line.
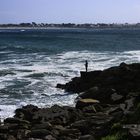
107	108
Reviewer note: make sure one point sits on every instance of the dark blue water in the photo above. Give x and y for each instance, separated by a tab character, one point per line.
32	62
57	41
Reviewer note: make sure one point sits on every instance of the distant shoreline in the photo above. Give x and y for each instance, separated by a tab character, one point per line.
26	28
65	28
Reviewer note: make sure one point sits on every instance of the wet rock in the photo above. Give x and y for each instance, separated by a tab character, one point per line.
26	113
36	75
62	86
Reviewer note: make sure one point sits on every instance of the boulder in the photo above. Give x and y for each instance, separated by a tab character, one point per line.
67	132
62	86
86	102
81	125
16	121
116	97
26	113
40	133
104	95
92	109
133	130
10	137
87	137
45	125
49	137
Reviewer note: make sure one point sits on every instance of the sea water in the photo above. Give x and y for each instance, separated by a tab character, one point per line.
32	62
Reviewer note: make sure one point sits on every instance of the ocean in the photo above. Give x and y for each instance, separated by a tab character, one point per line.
32	62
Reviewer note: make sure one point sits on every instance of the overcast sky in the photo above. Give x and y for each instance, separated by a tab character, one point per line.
74	11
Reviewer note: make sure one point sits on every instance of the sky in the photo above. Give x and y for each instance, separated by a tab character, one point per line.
70	11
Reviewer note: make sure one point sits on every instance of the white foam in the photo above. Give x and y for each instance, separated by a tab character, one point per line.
7	111
59	68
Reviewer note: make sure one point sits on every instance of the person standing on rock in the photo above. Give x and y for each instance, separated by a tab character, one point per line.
86	65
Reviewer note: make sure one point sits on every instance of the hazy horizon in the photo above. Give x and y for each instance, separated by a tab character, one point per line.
70	11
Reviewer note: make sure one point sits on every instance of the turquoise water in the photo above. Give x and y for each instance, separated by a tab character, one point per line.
32	62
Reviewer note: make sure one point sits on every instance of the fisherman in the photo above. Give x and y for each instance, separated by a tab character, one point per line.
86	65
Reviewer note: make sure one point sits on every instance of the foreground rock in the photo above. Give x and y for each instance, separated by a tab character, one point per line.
108	106
56	123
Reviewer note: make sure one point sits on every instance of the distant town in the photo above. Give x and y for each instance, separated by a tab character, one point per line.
69	25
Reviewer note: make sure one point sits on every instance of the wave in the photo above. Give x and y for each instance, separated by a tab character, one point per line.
33	62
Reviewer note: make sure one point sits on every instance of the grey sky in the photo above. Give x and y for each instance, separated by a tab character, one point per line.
74	11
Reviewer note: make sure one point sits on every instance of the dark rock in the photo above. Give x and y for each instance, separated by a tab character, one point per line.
116	97
16	121
87	137
26	113
36	75
45	125
134	131
123	78
11	138
100	119
3	128
81	125
22	134
90	93
66	132
101	94
59	127
117	89
35	139
62	86
92	109
3	136
90	75
40	133
55	114
49	137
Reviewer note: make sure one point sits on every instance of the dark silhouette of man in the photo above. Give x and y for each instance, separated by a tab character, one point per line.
86	65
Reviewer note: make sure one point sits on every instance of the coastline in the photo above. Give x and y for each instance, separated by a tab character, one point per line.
65	28
39	28
108	106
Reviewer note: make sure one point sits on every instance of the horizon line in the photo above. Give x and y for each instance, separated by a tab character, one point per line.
74	23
